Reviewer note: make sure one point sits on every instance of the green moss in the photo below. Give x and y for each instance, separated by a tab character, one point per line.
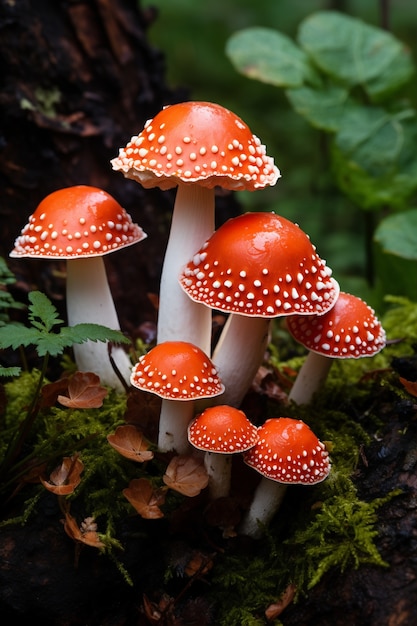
319	530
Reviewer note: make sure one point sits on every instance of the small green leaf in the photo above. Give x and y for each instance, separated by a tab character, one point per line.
91	332
6	372
394	275
14	335
356	53
397	234
41	308
323	108
269	56
374	157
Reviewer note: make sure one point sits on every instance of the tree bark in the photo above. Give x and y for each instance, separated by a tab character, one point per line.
78	78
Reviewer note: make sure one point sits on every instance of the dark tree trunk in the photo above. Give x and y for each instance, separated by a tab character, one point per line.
77	80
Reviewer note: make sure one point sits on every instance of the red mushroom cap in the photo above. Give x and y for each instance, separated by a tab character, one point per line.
289	452
197	142
260	264
73	222
349	330
222	429
177	370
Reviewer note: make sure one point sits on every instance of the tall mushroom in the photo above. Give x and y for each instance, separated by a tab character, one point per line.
194	146
180	373
350	330
81	224
256	267
287	453
221	431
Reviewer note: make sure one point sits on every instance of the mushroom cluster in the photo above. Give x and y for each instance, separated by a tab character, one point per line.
254	268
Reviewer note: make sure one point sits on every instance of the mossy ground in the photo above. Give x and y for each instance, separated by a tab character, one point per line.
195	560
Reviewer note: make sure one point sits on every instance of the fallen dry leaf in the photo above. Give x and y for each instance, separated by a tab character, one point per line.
51	391
130	442
275	609
187	475
198	564
65	477
86	534
410	386
144	498
84	392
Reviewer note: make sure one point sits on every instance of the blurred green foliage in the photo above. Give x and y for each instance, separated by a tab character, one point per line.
194	36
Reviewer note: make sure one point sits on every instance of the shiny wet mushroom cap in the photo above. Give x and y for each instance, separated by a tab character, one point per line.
197	142
177	370
289	452
260	264
222	429
76	222
349	330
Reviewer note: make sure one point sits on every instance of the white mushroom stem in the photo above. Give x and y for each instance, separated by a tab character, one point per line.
89	300
238	355
173	423
179	317
310	378
265	503
219	470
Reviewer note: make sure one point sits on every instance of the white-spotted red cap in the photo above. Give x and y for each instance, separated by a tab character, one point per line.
197	142
289	452
350	330
74	222
260	264
222	429
177	370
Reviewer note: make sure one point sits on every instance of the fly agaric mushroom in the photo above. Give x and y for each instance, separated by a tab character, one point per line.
194	146
81	224
350	330
287	453
257	266
221	431
179	373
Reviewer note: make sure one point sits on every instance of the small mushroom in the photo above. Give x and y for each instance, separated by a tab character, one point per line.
287	453
194	146
179	373
221	431
256	267
350	330
81	224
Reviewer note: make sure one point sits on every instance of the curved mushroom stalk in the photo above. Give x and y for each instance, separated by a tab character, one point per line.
238	355
266	501
89	300
310	378
179	317
219	471
173	422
